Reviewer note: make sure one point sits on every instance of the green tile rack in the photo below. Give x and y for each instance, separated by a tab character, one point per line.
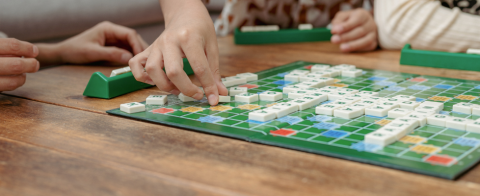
101	86
282	36
438	59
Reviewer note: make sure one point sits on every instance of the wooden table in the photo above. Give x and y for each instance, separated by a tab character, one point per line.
54	141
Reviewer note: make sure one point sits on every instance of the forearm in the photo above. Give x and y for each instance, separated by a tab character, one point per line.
176	8
49	54
426	25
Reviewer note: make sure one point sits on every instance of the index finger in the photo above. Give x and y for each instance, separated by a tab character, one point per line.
355	18
174	71
14	47
198	60
339	18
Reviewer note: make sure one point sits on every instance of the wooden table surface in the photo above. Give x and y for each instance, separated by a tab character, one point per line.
55	141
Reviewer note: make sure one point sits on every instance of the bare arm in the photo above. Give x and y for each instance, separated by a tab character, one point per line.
189	33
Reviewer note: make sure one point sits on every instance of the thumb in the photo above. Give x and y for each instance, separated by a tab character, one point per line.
112	54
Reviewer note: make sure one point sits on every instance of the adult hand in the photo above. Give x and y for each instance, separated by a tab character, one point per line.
16	59
103	42
354	30
189	33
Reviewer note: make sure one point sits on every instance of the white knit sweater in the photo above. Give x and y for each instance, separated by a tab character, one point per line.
425	24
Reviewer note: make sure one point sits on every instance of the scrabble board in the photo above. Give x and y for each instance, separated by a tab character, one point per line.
429	149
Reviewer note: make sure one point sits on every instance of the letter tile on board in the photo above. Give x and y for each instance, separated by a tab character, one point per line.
293	77
438	120
327	109
319	67
270	96
465	108
379	138
352	73
246	97
476	110
473	126
298	94
411	105
133	107
184	98
156	100
262	115
436	109
377	110
432	103
405	97
420	117
224	99
397	132
348	112
367	93
457	123
398	112
236	80
237	90
319	96
292	88
249	76
228	83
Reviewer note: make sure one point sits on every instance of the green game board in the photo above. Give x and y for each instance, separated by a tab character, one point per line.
337	137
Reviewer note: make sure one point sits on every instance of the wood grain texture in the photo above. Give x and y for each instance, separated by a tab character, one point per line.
62	141
76	145
30	170
64	85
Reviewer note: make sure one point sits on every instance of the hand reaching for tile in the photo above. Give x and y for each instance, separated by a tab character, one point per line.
189	33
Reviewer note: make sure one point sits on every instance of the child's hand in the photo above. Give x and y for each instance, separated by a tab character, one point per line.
189	33
354	30
103	42
12	66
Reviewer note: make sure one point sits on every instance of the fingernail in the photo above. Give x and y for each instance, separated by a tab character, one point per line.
213	99
126	57
337	29
335	39
38	66
35	50
149	81
198	96
344	47
175	92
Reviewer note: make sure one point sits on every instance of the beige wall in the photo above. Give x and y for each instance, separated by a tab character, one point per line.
34	20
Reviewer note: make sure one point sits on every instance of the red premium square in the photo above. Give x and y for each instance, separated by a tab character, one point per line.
419	80
283	132
163	110
440	160
249	86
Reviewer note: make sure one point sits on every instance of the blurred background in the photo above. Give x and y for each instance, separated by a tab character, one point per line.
55	20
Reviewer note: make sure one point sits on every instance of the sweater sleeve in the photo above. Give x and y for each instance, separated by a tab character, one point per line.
425	24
